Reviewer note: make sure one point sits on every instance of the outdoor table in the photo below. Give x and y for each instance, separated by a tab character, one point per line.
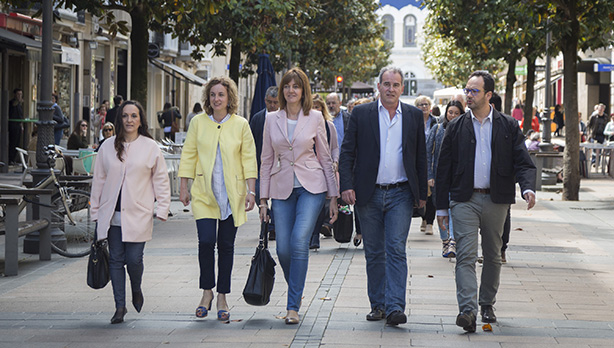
601	157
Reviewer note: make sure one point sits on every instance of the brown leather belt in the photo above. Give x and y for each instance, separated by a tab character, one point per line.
484	191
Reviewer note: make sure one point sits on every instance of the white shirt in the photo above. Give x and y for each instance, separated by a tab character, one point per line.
391	169
217	180
483	153
291	127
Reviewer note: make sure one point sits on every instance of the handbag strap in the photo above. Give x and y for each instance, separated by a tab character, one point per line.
264	235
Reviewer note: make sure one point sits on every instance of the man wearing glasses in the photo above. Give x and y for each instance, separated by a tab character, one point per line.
482	157
382	171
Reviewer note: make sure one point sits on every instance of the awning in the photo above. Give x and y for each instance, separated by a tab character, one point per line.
177	72
361	87
31	47
71	56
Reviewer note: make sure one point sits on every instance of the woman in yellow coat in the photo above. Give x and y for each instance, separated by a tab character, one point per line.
220	156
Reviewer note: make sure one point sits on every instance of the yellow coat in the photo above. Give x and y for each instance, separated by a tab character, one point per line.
238	160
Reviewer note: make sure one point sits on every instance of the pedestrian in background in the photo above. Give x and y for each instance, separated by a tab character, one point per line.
428	215
129	176
78	138
15	127
220	156
197	109
112	113
297	179
61	122
433	147
168	119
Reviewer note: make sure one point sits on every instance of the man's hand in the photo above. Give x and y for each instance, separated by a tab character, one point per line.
349	196
529	197
442	221
421	204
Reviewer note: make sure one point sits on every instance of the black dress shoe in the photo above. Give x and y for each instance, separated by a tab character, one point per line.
376	314
466	320
137	300
118	317
396	318
488	314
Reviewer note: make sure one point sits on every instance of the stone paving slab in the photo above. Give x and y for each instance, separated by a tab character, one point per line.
556	291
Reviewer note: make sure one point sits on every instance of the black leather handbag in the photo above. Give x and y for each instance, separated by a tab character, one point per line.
259	285
344	226
98	264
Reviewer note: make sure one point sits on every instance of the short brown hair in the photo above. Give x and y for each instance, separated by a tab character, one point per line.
231	89
301	79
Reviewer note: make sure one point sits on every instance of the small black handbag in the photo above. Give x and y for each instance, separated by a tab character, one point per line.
261	277
344	226
98	264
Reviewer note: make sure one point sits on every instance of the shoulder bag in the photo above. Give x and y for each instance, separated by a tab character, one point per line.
98	264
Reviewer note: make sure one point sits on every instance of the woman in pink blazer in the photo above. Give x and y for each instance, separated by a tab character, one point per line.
130	174
297	174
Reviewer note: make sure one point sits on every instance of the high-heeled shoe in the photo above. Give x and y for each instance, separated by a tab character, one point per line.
223	315
118	317
137	300
203	311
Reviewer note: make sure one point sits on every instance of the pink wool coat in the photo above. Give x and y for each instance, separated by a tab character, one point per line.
142	178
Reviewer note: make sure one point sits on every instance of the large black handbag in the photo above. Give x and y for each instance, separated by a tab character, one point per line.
98	264
261	278
344	226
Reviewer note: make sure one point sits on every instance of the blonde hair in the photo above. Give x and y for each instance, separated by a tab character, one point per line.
317	100
362	101
231	89
300	78
422	99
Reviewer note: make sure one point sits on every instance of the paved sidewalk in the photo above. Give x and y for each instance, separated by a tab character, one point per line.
556	290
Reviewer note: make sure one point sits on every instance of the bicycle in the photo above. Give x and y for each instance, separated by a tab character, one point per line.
70	213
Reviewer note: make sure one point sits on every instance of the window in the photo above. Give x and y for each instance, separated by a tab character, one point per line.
409	31
388	23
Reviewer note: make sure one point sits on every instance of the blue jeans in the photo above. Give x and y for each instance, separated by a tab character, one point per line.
224	231
385	222
296	216
57	135
120	254
449	234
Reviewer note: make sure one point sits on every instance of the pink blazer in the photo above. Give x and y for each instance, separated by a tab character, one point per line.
282	158
142	178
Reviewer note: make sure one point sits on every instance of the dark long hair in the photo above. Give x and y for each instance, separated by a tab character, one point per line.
456	103
119	126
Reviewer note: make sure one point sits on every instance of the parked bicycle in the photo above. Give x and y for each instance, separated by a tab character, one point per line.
70	212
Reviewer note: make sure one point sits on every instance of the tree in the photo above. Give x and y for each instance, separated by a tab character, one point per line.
576	25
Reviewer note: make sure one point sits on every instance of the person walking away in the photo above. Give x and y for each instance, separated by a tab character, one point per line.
433	147
428	215
297	179
596	127
382	169
169	118
478	189
130	176
220	156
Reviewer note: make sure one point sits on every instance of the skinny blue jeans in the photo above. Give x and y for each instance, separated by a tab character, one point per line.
295	218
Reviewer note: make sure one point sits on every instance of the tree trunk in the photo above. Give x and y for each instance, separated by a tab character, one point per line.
139	40
510	79
530	93
571	158
235	61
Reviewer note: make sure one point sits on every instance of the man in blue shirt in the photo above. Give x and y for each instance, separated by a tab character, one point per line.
340	117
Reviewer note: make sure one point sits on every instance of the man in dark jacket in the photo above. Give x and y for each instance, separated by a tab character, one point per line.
15	128
112	113
482	157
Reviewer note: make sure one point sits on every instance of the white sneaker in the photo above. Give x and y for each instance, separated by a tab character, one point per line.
423	226
429	230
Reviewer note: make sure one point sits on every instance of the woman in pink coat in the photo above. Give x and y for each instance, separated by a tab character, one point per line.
297	173
130	174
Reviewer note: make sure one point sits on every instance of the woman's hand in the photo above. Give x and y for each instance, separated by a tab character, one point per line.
334	210
250	201
184	195
264	210
431	182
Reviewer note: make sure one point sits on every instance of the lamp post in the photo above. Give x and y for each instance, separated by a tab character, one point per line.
45	120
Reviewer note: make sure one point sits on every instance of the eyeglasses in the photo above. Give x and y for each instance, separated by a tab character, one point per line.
472	91
423	105
107	130
83	126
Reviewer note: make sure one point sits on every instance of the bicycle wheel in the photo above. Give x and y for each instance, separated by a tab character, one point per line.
79	236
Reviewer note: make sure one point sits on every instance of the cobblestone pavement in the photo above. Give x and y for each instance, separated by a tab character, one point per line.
556	290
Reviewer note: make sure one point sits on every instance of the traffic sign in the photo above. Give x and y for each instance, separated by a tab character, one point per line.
603	67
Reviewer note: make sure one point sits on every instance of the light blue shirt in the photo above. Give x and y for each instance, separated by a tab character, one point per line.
338	122
217	180
483	153
391	169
